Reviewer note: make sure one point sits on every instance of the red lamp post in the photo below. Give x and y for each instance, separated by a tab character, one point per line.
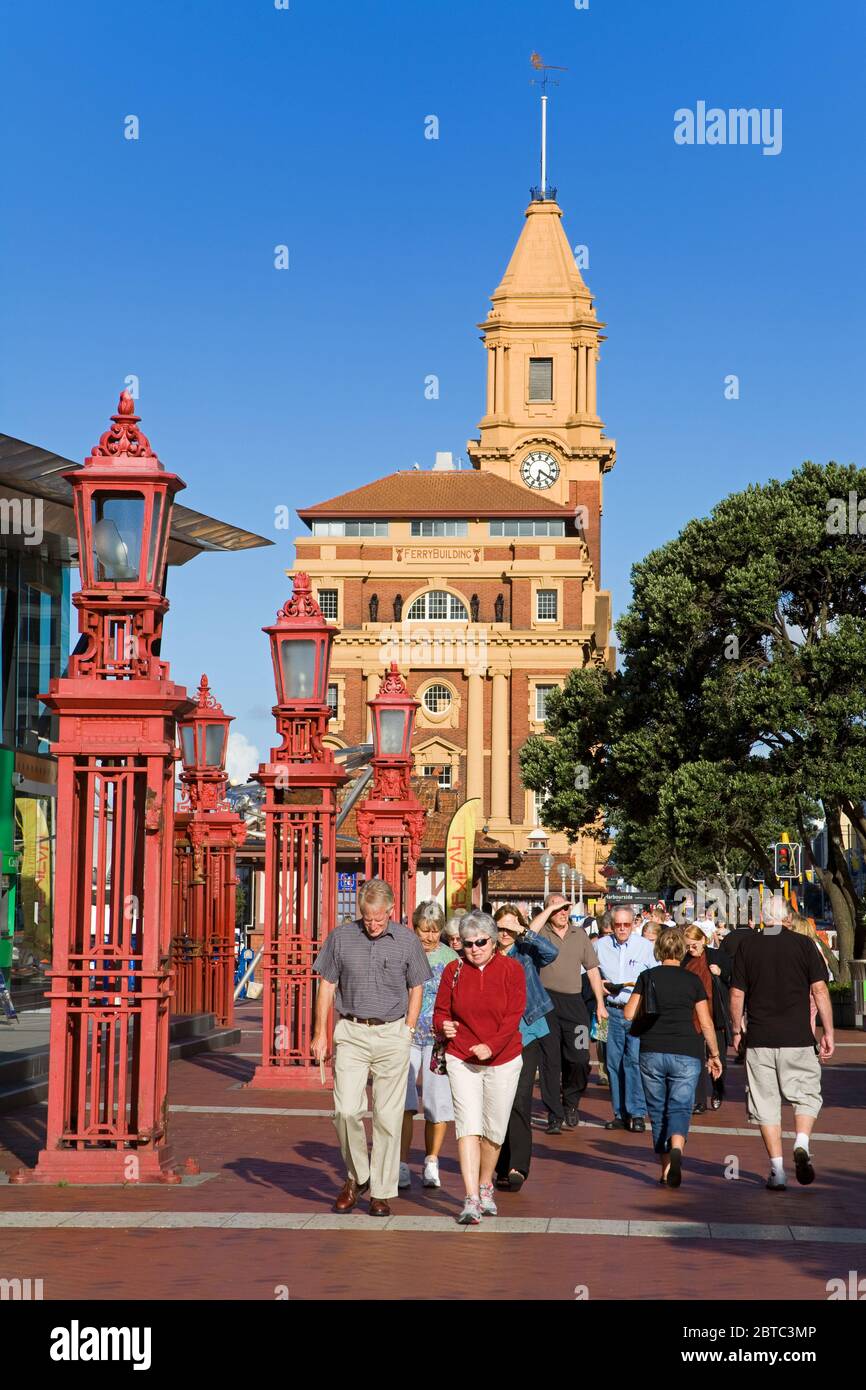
117	707
207	833
391	820
300	782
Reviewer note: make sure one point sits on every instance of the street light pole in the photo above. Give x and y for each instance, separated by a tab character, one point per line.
300	781
391	821
207	833
117	709
547	861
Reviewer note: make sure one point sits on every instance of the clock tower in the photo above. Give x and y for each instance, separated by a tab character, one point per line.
541	428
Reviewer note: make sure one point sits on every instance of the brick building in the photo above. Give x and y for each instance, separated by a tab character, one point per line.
484	583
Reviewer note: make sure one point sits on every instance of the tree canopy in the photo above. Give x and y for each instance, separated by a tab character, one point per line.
738	709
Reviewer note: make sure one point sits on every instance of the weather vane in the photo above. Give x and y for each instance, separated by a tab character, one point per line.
543	82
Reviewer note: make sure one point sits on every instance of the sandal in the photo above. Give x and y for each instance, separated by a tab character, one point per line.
516	1179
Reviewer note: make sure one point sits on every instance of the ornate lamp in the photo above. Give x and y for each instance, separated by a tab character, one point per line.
117	709
393	710
204	737
123	500
301	643
391	821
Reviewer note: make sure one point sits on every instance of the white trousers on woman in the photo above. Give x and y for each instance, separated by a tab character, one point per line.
483	1096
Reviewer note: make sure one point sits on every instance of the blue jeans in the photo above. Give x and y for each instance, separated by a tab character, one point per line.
623	1067
669	1082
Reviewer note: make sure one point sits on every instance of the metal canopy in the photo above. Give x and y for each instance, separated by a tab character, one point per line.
26	470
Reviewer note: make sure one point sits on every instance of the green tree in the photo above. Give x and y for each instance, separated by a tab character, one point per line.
739	710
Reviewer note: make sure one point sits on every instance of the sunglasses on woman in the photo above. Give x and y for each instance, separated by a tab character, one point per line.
479	941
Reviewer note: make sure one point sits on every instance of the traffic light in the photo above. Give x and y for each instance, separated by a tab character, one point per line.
786	860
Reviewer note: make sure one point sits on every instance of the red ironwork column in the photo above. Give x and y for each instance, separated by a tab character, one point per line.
117	707
391	820
208	833
301	782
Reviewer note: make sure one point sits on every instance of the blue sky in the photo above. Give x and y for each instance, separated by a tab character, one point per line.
305	127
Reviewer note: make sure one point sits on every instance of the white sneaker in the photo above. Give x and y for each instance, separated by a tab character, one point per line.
405	1178
431	1173
471	1213
488	1206
777	1182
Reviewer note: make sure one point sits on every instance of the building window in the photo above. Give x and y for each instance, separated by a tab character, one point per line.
541	378
513	527
350	528
440	528
542	695
437	605
440	772
334	701
545	605
437	699
328	604
539	801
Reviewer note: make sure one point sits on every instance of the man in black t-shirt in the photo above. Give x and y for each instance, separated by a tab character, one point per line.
775	973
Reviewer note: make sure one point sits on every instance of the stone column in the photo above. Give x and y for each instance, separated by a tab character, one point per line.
590	394
500	761
475	738
373	680
581	379
506	367
491	381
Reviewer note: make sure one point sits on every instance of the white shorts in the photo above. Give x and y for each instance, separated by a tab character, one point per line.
774	1074
436	1090
483	1096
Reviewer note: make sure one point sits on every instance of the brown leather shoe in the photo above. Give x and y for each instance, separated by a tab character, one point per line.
349	1194
379	1207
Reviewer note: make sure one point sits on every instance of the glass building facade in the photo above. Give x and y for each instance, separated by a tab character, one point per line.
34	646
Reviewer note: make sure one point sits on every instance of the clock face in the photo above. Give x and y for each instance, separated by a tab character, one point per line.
539	469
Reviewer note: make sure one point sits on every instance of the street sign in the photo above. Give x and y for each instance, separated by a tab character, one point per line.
347	883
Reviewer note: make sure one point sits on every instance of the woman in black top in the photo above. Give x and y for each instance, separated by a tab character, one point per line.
671	1052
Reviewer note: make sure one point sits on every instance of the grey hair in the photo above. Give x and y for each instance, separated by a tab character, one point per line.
478	923
375	890
428	911
621	907
452	926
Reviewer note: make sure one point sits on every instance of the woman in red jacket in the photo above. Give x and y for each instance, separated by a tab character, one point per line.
480	1003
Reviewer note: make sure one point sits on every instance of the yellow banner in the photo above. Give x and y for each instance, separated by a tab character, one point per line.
35	876
459	858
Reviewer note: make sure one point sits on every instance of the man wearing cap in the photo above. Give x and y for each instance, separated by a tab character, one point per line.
565	1050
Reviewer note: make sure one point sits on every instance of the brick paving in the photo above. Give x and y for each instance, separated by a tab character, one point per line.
264	1167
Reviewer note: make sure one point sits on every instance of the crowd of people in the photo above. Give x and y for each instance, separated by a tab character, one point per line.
460	1018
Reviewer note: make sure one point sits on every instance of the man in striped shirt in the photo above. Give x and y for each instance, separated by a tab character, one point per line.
373	972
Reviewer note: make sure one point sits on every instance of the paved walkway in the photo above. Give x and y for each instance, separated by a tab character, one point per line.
592	1221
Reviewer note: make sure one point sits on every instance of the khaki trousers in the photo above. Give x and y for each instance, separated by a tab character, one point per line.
380	1049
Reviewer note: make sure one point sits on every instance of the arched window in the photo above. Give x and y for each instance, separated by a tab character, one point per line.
438	605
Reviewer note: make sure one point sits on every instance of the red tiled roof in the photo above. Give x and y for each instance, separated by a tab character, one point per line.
469	494
527	880
440	805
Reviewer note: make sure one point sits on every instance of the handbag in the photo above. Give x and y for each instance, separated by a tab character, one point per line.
648	1008
438	1065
